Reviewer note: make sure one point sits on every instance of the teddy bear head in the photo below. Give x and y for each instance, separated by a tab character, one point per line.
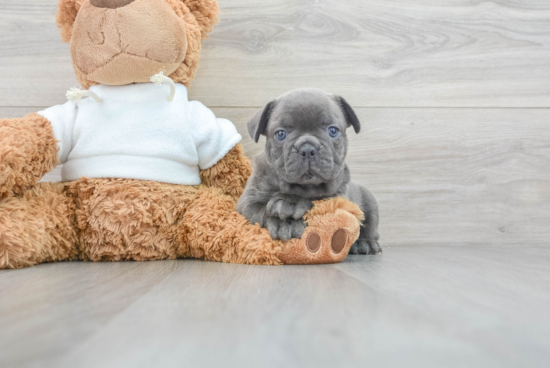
119	42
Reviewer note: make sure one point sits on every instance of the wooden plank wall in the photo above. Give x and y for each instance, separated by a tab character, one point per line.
454	97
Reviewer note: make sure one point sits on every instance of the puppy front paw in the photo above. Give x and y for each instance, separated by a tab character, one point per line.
285	229
362	246
286	208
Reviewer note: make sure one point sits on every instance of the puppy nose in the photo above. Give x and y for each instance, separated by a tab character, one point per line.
111	4
307	150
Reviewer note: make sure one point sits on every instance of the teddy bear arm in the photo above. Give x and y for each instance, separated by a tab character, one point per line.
28	150
230	174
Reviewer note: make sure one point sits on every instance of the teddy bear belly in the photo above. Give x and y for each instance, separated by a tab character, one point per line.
124	219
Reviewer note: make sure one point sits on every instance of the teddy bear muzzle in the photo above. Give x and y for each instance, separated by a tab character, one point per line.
111	4
112	42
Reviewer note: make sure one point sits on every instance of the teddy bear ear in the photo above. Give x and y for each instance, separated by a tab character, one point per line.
66	16
205	12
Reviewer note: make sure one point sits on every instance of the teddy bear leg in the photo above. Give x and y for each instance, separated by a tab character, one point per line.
37	227
333	226
215	231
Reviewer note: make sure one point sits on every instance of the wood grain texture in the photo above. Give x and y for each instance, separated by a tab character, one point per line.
445	176
380	53
413	307
374	52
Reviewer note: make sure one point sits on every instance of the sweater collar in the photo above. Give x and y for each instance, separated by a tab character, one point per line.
138	92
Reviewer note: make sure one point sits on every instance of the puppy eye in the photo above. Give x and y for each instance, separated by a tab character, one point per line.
333	132
280	135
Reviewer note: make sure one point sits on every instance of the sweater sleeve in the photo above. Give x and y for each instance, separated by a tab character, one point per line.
62	118
213	137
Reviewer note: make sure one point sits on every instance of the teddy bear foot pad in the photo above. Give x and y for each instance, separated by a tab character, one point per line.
329	236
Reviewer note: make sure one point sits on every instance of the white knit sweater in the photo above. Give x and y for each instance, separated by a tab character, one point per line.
136	133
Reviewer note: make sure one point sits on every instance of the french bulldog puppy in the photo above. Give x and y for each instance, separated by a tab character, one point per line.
304	161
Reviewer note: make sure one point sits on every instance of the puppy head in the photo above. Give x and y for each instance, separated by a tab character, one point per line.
306	135
118	42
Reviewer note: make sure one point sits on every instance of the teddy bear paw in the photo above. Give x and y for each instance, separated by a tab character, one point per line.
333	227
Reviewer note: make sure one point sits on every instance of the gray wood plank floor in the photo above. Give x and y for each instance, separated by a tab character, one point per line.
431	306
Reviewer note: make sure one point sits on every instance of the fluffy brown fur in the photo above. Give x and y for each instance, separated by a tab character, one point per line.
67	11
28	150
216	232
230	174
186	71
206	13
122	219
327	206
37	227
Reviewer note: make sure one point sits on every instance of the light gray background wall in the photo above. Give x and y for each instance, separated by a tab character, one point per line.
454	97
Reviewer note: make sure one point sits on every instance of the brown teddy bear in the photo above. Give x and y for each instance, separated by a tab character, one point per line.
147	173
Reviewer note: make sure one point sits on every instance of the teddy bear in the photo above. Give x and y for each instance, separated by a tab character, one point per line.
147	174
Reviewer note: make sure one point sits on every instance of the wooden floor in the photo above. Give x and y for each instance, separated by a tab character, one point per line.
454	98
422	306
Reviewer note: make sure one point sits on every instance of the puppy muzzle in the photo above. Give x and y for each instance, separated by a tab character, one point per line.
307	162
307	147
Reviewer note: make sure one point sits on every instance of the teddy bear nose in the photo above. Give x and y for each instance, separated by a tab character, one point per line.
111	4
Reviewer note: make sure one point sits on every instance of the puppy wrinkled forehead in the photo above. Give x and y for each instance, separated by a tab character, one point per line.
307	107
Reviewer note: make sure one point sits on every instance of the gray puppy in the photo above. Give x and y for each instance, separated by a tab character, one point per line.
304	161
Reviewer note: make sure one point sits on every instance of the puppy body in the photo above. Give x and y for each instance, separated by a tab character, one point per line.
304	161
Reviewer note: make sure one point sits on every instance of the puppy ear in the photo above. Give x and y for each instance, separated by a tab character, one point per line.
258	124
65	17
206	13
350	115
